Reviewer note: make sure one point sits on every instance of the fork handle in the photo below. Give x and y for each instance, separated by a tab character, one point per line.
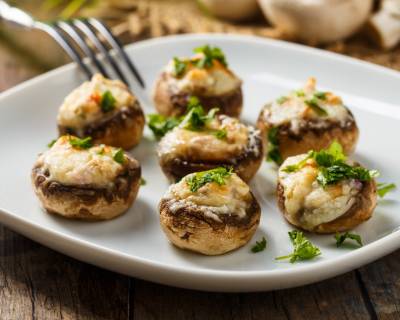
15	16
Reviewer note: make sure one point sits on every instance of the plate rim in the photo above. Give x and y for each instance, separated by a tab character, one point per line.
258	280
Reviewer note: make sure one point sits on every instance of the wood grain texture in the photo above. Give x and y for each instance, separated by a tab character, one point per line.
38	283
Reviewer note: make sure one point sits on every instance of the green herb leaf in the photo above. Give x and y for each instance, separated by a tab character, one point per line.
299	165
282	99
196	119
51	143
340	238
210	54
221	134
313	104
300	93
303	248
199	179
119	156
85	143
273	153
142	181
160	124
259	246
107	102
320	95
384	188
180	66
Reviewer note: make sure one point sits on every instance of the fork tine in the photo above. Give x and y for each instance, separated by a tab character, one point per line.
65	44
85	27
117	46
79	40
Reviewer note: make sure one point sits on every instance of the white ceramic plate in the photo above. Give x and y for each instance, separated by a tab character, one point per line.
134	243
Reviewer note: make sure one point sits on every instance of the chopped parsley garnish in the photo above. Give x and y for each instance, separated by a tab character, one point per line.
210	54
196	119
180	66
282	99
142	181
259	246
384	188
199	179
314	105
340	238
300	93
119	156
107	102
102	151
85	143
221	134
160	124
51	143
332	167
320	95
273	153
303	249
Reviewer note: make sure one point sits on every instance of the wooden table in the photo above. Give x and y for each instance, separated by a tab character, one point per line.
38	283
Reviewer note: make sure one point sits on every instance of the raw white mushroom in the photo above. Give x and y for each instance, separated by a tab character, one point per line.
385	24
235	10
317	21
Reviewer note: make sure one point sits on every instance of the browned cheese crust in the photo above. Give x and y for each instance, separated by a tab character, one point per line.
191	229
169	103
310	137
88	202
245	164
123	128
361	210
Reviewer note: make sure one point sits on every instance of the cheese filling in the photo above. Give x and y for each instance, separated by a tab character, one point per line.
82	106
212	81
205	145
72	166
307	203
294	110
231	198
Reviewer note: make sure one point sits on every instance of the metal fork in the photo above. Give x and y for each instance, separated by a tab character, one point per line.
91	36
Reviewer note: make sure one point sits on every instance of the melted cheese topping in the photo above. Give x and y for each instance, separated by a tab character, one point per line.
82	106
204	145
216	80
296	112
231	198
309	204
73	166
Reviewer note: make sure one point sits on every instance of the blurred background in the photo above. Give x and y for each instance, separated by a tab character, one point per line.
366	29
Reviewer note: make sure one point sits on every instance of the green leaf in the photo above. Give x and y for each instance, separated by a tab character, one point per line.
180	66
300	93
259	246
143	182
107	102
384	188
340	238
199	179
299	165
51	143
273	153
221	134
303	249
119	156
160	124
196	119
314	105
210	54
85	143
320	95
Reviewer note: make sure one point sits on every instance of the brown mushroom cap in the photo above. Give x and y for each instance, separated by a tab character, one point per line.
122	128
361	210
189	228
169	103
88	202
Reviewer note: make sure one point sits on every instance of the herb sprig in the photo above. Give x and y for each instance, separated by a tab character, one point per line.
384	188
303	249
199	179
85	143
259	245
340	238
107	102
119	156
160	124
273	153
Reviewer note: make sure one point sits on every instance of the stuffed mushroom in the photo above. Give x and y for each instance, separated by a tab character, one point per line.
105	110
206	76
306	119
210	212
77	180
203	141
324	192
